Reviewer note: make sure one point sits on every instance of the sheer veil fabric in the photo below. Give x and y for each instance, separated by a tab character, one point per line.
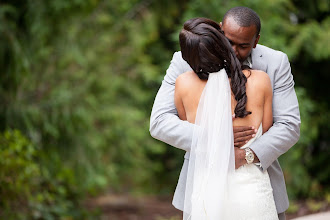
212	152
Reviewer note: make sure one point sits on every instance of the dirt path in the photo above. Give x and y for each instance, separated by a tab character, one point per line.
119	207
123	207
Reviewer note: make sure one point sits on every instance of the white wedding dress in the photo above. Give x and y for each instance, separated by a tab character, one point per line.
214	189
250	194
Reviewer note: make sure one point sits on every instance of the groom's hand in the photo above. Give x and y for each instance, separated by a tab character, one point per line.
240	157
242	134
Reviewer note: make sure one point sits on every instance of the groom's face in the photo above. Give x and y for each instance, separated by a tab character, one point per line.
242	39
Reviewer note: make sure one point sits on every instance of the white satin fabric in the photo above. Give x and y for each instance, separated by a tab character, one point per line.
212	152
250	195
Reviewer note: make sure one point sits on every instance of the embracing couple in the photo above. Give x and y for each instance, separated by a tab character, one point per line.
230	104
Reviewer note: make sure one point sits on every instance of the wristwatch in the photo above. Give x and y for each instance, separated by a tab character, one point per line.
249	156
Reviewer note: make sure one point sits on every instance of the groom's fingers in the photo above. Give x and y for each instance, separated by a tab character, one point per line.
239	144
243	134
243	131
242	128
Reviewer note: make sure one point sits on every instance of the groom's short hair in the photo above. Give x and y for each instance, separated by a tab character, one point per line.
244	17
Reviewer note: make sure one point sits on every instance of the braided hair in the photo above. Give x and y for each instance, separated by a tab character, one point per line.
207	50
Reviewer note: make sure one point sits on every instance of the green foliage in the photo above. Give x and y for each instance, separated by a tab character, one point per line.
28	191
18	171
299	162
297	177
293	207
314	205
86	95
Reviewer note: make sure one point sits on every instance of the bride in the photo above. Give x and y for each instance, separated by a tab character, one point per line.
208	96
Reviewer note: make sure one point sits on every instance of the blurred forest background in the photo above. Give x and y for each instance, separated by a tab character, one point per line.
78	81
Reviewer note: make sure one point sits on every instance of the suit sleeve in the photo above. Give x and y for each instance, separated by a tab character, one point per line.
285	131
165	125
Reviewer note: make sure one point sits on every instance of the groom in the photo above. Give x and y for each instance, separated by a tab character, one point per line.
241	26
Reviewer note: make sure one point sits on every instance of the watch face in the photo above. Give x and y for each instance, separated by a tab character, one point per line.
250	157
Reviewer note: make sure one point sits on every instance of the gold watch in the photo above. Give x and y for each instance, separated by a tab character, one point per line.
249	156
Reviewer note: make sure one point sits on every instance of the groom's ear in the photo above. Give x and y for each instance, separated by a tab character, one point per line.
256	41
220	24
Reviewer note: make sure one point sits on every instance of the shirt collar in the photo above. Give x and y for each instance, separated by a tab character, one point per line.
248	62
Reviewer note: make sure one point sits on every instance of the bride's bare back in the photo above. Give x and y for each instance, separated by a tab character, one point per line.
189	88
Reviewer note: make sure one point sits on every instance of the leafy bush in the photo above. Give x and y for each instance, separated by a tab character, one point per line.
27	190
19	173
85	94
303	177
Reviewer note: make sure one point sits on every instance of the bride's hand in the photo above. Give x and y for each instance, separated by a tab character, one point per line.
242	134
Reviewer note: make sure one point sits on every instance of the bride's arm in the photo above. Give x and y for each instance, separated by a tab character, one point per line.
267	119
178	98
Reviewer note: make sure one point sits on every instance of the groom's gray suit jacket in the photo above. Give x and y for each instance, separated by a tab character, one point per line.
167	127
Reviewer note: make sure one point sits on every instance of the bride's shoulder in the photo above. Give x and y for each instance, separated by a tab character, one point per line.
255	73
258	78
258	75
186	79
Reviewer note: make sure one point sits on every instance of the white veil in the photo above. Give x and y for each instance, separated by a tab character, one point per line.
212	152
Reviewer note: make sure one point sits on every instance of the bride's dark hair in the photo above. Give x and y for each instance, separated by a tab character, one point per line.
207	50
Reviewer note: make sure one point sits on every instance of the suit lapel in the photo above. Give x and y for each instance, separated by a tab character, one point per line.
258	62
